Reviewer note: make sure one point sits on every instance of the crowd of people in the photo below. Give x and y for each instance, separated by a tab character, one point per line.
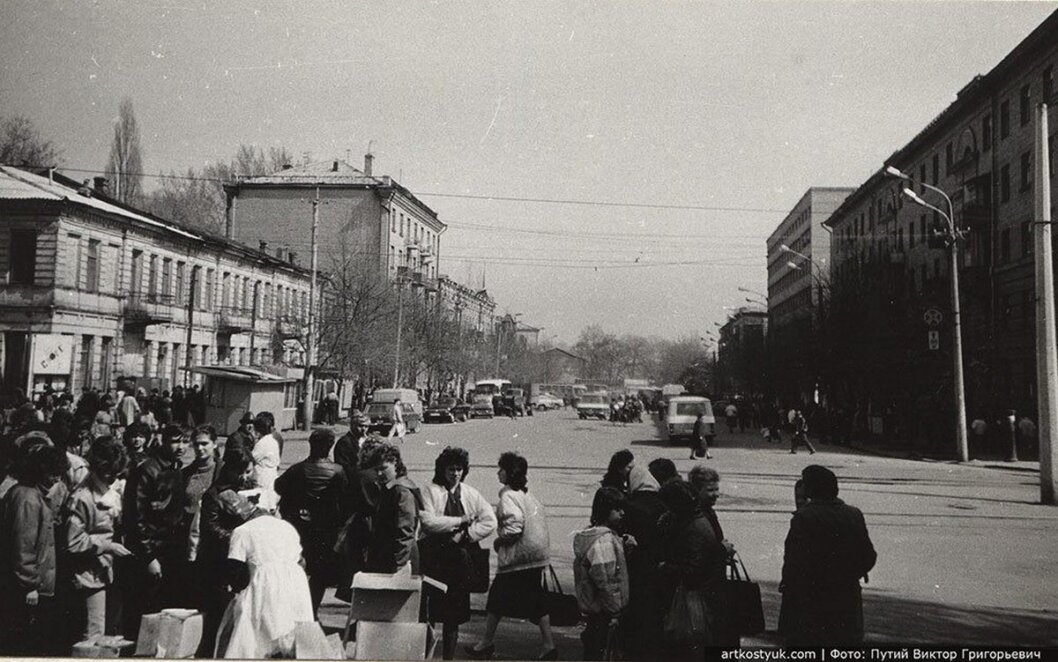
102	523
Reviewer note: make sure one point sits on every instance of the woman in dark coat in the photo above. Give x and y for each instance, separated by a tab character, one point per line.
395	523
641	626
616	476
693	558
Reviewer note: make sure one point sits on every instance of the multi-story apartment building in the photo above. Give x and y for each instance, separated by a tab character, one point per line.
889	268
741	357
798	272
365	221
92	291
474	309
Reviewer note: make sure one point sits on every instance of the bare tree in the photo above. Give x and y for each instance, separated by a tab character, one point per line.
126	159
22	144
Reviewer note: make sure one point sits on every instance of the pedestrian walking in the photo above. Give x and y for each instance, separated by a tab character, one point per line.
394	526
522	553
699	439
272	592
314	498
455	516
799	435
600	572
731	414
27	564
266	457
827	552
90	517
397	415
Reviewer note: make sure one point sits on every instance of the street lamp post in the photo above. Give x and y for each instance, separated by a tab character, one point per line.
952	239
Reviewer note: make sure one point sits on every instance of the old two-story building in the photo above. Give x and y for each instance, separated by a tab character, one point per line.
93	292
798	283
891	271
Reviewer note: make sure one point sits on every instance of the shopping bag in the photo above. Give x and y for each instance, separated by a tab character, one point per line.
613	650
742	597
687	621
562	607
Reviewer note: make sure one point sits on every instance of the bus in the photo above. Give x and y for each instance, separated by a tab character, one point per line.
491	387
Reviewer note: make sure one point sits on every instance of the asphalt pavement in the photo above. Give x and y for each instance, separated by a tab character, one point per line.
965	552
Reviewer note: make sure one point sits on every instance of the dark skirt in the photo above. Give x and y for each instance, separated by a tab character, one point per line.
518	594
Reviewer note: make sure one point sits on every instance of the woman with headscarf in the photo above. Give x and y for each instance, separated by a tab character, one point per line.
693	562
454	516
523	551
641	629
616	476
272	591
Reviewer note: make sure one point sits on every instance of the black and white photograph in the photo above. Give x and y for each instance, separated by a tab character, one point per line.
543	330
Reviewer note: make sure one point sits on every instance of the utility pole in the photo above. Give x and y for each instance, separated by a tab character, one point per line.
310	340
1046	359
188	354
253	320
400	323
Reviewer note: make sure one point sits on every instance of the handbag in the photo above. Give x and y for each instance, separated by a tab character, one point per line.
687	621
562	607
477	568
465	563
742	597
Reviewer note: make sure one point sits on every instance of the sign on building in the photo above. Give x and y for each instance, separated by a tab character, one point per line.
52	354
934	340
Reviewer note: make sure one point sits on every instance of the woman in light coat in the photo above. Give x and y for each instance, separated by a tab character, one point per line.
523	552
454	518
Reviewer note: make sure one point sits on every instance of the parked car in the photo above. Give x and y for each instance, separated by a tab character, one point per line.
593	405
446	410
381	417
513	400
548	401
683	410
482	407
405	395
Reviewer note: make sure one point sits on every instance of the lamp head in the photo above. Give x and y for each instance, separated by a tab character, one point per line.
895	172
784	248
792	265
913	196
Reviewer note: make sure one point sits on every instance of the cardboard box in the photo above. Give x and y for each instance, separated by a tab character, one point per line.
386	598
172	633
311	644
101	647
147	638
393	641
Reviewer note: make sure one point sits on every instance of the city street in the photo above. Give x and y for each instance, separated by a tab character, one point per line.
965	552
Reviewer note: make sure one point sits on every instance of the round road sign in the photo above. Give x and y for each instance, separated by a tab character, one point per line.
932	317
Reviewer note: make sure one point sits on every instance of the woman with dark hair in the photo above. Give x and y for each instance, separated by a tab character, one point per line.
621	464
523	551
395	524
27	570
215	527
91	516
454	516
137	442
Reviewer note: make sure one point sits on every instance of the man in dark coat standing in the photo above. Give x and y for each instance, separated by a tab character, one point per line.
828	550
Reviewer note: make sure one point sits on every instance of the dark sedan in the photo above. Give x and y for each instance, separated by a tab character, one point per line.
446	410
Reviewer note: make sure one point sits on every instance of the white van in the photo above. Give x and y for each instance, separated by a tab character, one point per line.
681	412
406	395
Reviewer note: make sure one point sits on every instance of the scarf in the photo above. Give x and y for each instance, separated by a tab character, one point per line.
454	505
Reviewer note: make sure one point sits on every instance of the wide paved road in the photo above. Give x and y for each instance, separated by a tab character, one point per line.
966	554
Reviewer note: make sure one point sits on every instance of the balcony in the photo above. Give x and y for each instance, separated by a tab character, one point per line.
402	273
417	279
288	326
973	202
430	284
234	319
142	309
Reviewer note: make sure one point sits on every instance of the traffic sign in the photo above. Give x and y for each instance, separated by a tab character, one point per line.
934	340
932	317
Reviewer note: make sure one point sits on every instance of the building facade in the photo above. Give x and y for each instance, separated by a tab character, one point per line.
94	292
798	276
741	359
890	268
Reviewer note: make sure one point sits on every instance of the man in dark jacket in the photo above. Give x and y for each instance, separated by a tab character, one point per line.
244	437
828	550
156	529
314	498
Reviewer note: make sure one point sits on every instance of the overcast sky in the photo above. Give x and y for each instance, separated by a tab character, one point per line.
736	107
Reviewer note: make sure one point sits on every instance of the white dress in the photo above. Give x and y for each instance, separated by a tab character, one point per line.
262	617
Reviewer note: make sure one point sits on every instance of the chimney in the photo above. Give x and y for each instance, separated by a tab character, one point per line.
263	246
368	158
334	166
101	185
292	257
279	253
86	188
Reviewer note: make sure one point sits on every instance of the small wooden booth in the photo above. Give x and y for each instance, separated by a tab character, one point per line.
231	391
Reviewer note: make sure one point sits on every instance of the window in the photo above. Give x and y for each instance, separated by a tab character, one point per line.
92	266
1004	119
225	289
911	234
936	267
78	261
948	159
152	276
922	227
1026	171
986	133
1025	105
1027	240
1004	246
402	220
1004	183
136	275
211	277
167	276
23	257
900	240
181	276
922	177
1048	85
936	169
